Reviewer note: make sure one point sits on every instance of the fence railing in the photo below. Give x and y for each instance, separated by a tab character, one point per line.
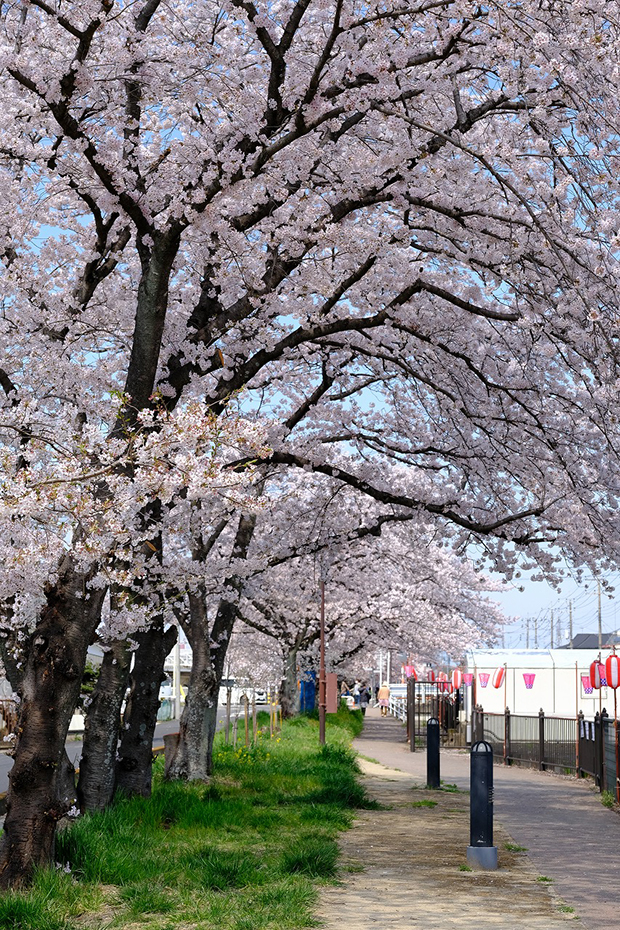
565	744
429	699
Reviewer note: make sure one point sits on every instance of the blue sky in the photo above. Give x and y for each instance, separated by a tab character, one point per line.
539	600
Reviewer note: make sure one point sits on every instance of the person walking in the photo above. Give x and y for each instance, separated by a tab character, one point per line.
364	700
384	698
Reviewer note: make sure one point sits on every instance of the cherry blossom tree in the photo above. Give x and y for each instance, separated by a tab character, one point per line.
390	231
399	589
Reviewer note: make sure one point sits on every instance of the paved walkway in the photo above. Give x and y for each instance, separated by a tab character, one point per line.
413	854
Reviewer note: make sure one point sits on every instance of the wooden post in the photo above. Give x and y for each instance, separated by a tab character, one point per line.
247	720
254	727
234	732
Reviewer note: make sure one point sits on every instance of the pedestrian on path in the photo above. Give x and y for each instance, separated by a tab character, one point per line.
384	698
364	700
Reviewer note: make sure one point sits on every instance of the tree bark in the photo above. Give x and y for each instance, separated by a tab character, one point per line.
188	761
193	758
289	693
50	689
97	776
135	757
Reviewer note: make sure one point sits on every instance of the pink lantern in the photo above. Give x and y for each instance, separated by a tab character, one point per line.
484	679
528	678
597	671
410	672
498	676
431	675
587	687
468	677
612	671
457	679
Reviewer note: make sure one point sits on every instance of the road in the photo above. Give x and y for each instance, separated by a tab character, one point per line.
74	746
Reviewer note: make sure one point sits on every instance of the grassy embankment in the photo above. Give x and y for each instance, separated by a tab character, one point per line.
246	852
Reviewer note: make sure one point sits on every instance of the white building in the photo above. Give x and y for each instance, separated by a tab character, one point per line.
558	679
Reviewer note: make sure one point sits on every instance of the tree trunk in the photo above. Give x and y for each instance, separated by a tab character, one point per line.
50	689
103	719
193	758
135	758
289	693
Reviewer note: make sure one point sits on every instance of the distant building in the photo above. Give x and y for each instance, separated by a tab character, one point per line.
554	680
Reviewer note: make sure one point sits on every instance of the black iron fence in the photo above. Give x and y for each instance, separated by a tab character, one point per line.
427	699
540	741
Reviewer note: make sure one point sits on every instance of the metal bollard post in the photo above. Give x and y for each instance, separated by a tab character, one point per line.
481	853
432	753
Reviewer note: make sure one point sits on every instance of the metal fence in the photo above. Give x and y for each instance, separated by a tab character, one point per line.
425	699
541	741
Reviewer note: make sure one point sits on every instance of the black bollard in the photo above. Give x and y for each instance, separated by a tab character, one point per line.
481	853
432	753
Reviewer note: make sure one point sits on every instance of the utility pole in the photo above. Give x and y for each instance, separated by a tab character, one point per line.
600	619
527	632
551	625
570	623
322	680
536	632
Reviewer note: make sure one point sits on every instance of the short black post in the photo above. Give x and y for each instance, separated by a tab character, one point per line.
481	853
432	753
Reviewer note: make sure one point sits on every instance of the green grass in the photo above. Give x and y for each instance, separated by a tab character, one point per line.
544	879
465	868
424	804
246	852
608	799
566	909
514	847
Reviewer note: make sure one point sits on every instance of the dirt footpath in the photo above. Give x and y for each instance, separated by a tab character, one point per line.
404	867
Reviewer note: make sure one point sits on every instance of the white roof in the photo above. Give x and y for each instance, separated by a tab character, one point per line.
532	658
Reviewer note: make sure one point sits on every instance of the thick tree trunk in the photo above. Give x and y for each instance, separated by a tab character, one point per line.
135	757
50	687
193	758
103	720
289	693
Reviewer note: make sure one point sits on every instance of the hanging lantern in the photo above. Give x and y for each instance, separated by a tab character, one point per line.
457	679
498	676
430	676
612	671
468	677
587	687
528	678
484	679
410	672
597	671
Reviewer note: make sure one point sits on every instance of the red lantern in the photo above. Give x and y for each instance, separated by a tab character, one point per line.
597	671
612	671
457	679
468	678
410	672
431	675
498	676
